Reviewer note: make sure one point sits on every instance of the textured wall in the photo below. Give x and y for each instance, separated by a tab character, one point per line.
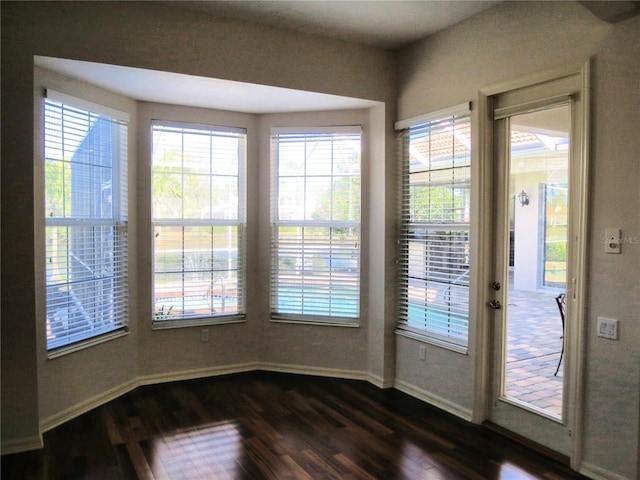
147	35
516	39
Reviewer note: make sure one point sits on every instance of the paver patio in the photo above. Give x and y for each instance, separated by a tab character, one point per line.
534	346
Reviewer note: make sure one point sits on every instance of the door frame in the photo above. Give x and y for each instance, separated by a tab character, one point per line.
484	200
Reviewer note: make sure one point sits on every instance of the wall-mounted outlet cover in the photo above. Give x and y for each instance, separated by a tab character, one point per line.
612	240
608	328
422	352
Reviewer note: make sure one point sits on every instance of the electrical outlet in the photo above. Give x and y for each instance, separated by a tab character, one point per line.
612	240
608	328
204	335
422	353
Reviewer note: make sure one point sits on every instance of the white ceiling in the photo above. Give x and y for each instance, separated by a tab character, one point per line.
379	23
192	91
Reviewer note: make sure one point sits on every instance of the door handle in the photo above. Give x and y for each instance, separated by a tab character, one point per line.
495	304
496	285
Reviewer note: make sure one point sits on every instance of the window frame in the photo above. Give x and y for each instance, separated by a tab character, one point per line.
301	317
115	302
457	115
240	223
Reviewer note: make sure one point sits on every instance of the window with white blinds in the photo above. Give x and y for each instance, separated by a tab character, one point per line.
198	182
434	227
315	247
85	155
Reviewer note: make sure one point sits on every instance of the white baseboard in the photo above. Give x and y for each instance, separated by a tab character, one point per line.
435	400
597	473
85	406
196	373
20	445
380	382
314	371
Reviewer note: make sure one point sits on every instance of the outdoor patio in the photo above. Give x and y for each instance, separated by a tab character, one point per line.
534	346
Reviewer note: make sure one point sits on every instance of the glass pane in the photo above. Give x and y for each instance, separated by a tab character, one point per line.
167	150
345	199
538	186
438	281
195	272
167	194
196	154
196	173
197	196
556	204
225	153
319	155
318	271
291	157
224	197
81	283
317	199
291	199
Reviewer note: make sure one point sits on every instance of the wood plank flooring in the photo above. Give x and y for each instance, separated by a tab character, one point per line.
275	426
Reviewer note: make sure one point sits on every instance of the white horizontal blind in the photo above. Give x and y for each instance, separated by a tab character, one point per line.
198	180
315	246
434	228
86	211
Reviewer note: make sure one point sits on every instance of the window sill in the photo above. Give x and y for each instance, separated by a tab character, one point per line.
197	322
436	341
318	321
89	342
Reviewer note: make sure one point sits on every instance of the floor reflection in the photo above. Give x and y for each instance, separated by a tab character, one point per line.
210	451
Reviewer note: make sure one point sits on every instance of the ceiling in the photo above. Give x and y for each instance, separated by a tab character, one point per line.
381	23
385	24
204	92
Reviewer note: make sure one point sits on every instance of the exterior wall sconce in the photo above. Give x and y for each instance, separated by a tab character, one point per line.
524	198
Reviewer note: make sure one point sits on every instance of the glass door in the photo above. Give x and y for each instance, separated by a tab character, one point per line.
538	173
536	188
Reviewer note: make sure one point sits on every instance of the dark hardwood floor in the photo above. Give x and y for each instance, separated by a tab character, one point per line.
275	426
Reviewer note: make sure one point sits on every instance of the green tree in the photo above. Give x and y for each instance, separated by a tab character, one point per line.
340	202
441	204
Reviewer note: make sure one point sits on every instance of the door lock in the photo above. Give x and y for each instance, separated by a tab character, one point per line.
496	285
495	304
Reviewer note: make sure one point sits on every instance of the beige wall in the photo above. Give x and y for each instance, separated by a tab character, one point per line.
38	392
167	353
58	390
502	44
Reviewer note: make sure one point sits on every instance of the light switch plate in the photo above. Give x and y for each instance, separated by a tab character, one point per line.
608	328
